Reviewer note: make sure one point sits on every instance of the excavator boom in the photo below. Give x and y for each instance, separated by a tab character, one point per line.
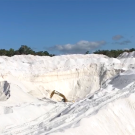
58	93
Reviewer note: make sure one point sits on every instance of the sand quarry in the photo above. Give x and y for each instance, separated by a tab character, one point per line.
100	93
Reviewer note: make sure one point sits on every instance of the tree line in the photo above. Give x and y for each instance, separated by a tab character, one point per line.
112	53
24	49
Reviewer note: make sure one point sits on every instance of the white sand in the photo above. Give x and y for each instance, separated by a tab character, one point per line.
25	107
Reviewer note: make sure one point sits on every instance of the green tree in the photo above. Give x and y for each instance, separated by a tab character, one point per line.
11	52
87	52
3	52
24	49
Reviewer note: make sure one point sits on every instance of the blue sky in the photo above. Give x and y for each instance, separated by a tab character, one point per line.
67	26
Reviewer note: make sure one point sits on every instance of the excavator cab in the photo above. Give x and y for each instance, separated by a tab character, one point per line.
61	95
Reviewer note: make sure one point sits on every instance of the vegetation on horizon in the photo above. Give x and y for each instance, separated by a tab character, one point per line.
113	53
24	49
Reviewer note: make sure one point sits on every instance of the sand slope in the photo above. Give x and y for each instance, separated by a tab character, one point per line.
102	89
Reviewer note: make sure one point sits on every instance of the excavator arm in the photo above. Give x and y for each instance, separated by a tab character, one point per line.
58	93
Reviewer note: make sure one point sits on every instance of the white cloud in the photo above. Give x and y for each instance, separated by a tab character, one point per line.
79	47
125	42
117	37
126	49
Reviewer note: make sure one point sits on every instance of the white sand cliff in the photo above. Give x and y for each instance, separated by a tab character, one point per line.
100	91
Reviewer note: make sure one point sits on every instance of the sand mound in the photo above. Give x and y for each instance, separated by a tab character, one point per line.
103	90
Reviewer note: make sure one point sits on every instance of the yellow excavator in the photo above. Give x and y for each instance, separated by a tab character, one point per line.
58	93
